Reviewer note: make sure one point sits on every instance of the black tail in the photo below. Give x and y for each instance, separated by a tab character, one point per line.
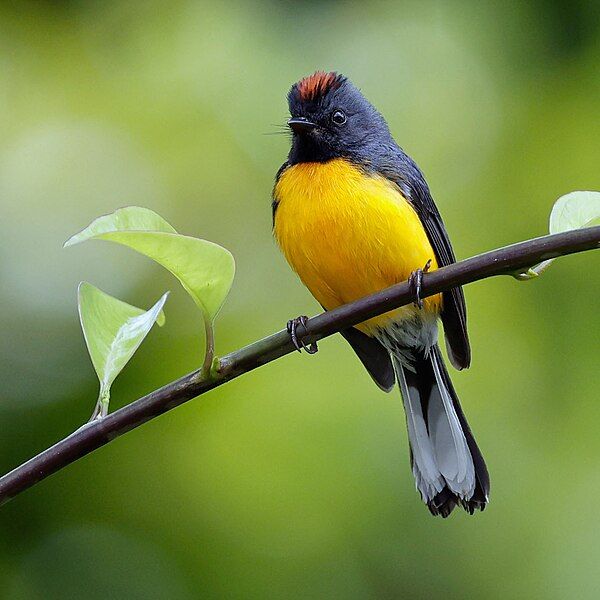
447	464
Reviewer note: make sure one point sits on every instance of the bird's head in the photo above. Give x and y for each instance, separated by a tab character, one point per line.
330	118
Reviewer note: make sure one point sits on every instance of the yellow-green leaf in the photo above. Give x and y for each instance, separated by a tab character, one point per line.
571	211
575	211
113	330
205	269
130	218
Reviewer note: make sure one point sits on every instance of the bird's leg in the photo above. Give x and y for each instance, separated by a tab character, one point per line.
298	343
415	282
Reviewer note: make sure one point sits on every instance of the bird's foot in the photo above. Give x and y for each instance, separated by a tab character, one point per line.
415	282
292	325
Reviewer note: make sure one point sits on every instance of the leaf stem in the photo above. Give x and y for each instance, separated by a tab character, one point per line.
209	352
101	408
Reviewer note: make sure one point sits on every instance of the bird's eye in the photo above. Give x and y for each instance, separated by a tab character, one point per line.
338	117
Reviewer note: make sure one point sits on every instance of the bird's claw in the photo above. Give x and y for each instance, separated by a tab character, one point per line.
415	281
299	344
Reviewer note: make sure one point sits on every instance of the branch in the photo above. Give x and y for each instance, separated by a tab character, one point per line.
88	438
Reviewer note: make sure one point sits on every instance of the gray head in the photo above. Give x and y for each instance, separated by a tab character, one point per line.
330	118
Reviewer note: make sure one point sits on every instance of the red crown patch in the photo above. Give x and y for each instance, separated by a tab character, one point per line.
318	84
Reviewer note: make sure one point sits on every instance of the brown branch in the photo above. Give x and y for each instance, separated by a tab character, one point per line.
93	435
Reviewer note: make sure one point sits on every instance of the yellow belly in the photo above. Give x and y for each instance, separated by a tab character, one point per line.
348	235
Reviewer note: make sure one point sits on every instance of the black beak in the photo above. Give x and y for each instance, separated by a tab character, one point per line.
301	125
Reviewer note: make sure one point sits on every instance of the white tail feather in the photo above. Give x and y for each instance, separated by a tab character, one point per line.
441	455
426	473
450	445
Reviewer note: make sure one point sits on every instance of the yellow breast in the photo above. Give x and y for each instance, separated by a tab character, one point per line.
348	234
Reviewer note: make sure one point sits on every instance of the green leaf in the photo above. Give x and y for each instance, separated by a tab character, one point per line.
113	331
131	218
576	210
205	269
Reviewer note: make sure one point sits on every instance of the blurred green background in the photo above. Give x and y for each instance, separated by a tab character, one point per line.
292	481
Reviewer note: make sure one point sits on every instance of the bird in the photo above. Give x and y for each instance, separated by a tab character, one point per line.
352	215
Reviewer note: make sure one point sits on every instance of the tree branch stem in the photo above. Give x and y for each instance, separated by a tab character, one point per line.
97	433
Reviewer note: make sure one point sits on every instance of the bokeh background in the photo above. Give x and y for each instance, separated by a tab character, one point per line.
292	481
